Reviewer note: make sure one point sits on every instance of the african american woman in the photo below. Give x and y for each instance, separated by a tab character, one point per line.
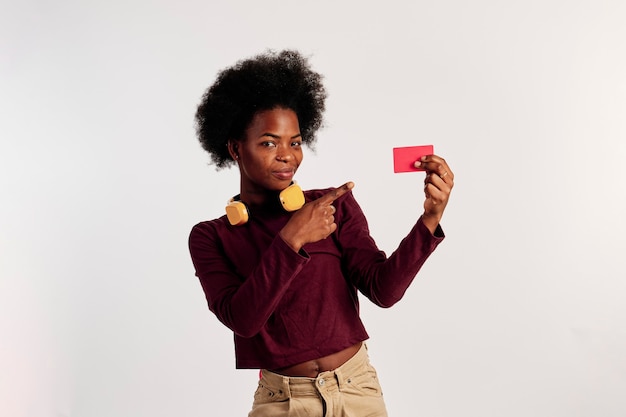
283	267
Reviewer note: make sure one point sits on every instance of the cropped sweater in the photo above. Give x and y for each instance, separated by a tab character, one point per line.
288	307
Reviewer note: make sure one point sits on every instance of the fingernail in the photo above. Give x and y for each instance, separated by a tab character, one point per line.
417	164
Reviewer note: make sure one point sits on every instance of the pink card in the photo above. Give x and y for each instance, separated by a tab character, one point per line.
404	158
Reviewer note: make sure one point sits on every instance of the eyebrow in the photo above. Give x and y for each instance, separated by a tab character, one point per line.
271	135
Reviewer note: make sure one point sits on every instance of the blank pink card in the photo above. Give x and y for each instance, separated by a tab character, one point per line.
405	158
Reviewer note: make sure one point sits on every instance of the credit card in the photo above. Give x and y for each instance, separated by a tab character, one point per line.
404	158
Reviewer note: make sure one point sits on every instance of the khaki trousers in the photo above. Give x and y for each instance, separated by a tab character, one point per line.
352	390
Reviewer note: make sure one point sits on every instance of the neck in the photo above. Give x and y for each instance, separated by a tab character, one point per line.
267	199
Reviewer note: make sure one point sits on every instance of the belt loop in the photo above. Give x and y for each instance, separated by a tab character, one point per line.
286	388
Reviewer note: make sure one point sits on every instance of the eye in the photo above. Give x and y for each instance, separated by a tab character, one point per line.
268	144
296	144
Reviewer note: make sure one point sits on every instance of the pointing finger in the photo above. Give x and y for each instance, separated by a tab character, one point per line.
332	195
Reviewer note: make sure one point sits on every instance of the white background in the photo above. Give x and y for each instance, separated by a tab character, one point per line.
520	312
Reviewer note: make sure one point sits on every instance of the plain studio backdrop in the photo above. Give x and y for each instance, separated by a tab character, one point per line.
520	312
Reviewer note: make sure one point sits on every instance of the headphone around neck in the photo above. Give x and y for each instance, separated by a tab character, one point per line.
291	198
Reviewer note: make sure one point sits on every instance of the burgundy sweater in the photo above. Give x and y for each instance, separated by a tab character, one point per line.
286	307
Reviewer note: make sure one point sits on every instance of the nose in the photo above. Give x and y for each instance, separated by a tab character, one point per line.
283	154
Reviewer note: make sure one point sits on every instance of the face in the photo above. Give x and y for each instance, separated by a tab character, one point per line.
270	153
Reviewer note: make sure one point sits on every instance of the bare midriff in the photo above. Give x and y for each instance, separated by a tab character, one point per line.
312	368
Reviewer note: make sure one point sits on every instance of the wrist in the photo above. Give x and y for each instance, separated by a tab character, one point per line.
431	221
292	243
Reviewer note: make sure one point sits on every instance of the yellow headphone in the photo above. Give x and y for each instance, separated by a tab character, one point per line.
291	198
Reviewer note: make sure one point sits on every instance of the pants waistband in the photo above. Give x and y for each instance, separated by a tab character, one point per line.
327	379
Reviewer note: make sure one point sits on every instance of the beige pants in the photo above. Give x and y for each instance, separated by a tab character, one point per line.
352	390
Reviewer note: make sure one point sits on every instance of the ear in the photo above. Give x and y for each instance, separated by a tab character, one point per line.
233	149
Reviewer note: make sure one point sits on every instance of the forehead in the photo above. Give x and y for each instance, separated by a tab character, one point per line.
274	120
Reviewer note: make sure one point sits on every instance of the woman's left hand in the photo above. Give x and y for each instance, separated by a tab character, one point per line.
437	187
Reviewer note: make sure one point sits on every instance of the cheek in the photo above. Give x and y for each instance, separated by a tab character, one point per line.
254	165
299	157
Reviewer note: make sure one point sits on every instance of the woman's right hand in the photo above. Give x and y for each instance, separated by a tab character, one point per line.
314	221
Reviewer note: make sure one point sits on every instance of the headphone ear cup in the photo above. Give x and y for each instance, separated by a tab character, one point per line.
237	213
292	198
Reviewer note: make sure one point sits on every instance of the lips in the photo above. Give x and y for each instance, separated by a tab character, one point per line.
284	174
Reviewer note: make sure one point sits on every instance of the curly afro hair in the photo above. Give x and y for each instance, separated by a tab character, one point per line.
264	82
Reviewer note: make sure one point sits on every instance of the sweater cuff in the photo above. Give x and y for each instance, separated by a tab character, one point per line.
438	236
289	252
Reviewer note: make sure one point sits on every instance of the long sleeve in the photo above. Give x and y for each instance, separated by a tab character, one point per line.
243	298
382	279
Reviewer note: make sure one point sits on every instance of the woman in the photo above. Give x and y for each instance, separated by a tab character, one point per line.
283	268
